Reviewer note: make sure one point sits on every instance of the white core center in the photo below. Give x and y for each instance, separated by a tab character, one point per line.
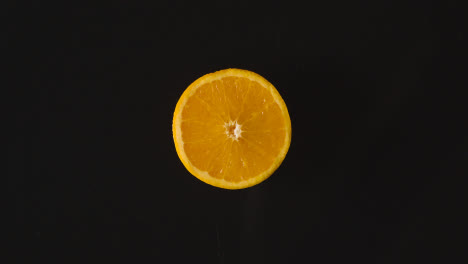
233	130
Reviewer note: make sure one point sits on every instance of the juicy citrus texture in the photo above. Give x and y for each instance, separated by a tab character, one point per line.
231	129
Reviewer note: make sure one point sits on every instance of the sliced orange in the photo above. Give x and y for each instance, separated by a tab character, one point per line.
231	129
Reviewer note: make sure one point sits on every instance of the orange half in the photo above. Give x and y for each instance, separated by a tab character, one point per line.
231	129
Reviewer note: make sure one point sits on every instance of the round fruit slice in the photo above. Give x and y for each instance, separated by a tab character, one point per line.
231	129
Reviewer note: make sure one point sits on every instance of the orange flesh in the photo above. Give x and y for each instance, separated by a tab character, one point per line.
232	128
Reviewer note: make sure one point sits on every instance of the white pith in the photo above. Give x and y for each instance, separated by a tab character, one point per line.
236	132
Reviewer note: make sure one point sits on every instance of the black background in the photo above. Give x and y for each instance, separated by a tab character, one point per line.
373	173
